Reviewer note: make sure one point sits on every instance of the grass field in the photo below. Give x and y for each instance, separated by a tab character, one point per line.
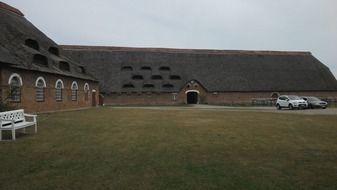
110	148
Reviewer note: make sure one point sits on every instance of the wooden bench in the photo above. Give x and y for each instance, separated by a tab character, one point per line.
14	120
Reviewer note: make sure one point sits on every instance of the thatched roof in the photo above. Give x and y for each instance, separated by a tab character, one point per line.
24	46
167	70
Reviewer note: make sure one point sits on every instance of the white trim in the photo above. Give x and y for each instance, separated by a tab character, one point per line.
86	84
59	80
72	84
15	75
187	91
41	78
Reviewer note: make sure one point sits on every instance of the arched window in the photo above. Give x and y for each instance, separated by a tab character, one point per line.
58	90
74	88
40	86
15	84
86	91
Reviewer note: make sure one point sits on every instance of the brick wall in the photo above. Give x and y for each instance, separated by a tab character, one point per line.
28	91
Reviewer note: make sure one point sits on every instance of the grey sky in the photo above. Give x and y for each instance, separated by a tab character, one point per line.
305	25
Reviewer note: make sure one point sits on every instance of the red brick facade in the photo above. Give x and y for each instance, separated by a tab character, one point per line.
204	97
28	91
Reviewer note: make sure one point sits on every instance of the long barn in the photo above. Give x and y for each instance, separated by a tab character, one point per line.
142	76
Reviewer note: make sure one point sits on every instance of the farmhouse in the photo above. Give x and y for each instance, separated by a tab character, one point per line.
34	72
39	75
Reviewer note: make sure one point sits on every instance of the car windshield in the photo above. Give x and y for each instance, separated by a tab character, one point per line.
313	99
295	98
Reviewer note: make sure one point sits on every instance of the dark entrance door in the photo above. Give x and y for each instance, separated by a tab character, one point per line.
192	97
93	99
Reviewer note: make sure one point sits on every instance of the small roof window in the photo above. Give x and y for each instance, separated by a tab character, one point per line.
137	77
32	44
40	60
64	66
54	51
126	68
146	68
157	77
164	68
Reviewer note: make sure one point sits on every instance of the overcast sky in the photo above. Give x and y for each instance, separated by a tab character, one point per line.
295	25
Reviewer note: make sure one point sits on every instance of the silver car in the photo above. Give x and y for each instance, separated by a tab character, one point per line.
314	102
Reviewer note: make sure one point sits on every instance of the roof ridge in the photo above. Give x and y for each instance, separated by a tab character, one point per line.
178	50
10	8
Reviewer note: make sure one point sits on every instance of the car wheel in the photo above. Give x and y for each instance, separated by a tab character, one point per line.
291	106
310	106
278	106
323	107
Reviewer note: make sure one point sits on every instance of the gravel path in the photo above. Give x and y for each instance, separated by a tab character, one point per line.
328	111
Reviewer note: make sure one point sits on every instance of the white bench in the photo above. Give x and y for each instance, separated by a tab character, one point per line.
16	119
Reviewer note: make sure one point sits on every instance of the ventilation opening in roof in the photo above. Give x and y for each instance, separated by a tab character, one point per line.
146	68
128	86
32	44
167	86
64	66
148	86
157	77
175	77
164	69
54	51
137	77
82	69
127	68
40	60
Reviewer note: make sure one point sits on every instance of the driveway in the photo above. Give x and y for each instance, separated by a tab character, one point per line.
328	111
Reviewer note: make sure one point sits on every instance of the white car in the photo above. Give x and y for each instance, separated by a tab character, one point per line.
291	102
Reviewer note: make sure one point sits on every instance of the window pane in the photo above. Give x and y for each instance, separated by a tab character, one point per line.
73	95
58	94
39	94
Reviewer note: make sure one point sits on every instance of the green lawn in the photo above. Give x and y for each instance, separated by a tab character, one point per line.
126	148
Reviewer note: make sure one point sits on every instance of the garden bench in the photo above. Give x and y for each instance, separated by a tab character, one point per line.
14	120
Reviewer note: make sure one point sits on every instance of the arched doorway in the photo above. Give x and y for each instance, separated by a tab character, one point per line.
192	97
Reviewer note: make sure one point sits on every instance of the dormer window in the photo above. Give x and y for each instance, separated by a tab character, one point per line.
137	77
40	60
164	68
54	51
82	69
126	68
146	68
175	77
157	77
64	66
168	86
128	86
148	86
32	44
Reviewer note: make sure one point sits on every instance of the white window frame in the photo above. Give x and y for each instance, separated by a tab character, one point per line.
59	91
40	92
74	89
18	95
